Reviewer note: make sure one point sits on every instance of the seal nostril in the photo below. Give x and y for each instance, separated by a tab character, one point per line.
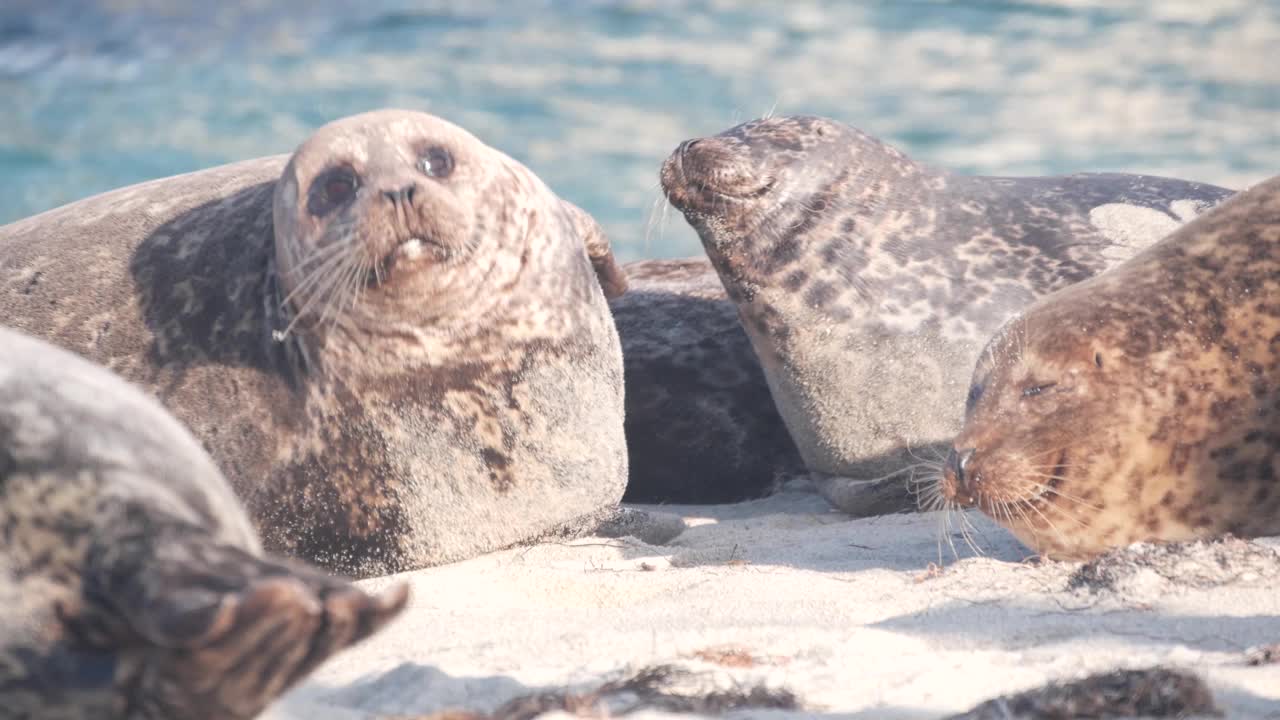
403	195
688	145
958	464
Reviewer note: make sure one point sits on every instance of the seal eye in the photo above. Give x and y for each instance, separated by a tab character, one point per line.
436	162
1037	389
332	189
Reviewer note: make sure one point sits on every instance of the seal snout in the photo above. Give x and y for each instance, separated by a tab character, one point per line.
959	477
410	238
701	173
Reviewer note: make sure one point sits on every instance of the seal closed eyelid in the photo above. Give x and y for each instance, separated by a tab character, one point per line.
1034	390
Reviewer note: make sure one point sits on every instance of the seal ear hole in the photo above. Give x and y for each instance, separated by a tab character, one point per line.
1097	360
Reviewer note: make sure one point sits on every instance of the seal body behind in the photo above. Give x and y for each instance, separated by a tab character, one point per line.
868	283
1140	405
392	342
701	424
131	581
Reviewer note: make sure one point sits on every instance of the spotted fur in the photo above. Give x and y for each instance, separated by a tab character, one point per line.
132	585
456	389
868	283
701	425
1140	405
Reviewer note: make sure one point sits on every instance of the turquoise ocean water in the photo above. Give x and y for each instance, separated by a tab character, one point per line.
592	94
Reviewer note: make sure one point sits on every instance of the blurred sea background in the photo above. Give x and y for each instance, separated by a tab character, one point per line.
593	94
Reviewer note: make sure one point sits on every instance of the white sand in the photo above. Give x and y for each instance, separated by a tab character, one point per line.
841	612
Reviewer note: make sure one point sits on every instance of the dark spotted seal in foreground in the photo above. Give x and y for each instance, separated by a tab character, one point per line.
1140	405
131	582
394	345
701	424
869	283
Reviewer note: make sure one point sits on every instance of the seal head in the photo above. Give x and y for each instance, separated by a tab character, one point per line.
1140	405
451	299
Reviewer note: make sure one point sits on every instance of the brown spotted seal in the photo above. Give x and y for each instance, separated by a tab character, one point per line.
869	283
1140	405
392	343
132	585
701	425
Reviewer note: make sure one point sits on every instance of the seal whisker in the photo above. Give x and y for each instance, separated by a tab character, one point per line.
1008	512
1046	488
1058	508
657	217
316	275
911	451
318	255
315	288
968	536
342	289
349	290
954	553
328	258
330	293
964	516
356	283
1044	517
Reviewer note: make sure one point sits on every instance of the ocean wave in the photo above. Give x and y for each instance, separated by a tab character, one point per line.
593	95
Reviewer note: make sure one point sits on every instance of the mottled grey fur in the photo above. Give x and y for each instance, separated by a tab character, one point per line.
869	283
132	585
1142	404
701	424
456	389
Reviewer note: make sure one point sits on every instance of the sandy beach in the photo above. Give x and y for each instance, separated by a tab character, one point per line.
857	618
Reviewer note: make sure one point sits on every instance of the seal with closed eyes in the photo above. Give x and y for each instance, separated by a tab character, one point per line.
393	342
1140	405
869	283
132	585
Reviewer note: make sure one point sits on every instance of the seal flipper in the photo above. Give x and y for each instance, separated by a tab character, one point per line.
612	279
214	631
